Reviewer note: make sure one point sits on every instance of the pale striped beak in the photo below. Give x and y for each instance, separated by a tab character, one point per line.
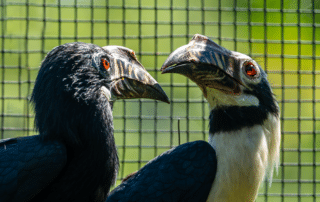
206	63
129	79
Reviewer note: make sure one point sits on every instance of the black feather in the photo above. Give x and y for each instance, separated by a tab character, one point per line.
232	118
70	108
24	167
184	173
76	132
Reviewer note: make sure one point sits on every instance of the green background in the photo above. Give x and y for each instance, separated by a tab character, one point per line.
286	44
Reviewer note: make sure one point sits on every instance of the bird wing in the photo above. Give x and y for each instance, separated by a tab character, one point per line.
27	165
184	173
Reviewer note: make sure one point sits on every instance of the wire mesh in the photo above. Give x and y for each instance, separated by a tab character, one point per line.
283	36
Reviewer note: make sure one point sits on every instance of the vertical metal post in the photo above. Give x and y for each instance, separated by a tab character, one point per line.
140	102
155	119
299	102
59	22
171	75
282	102
3	35
314	126
27	62
203	102
188	83
124	132
76	20
266	70
92	21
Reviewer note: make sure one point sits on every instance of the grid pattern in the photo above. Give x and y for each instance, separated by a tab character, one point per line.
283	36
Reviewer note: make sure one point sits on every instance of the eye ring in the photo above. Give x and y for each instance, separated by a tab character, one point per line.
250	70
105	64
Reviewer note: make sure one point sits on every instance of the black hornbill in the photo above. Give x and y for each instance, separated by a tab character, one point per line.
74	157
244	133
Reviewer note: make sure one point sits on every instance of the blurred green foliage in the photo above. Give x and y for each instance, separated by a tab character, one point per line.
286	45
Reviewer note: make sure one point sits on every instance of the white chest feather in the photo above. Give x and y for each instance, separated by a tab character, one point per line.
244	157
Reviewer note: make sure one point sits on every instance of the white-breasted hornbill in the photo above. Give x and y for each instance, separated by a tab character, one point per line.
74	157
244	133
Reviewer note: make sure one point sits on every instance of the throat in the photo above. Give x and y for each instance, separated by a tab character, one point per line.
217	98
92	162
234	118
97	155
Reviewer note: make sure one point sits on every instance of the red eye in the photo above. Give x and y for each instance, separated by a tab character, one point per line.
105	64
250	69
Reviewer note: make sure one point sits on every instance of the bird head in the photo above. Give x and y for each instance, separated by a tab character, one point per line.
80	80
233	83
86	69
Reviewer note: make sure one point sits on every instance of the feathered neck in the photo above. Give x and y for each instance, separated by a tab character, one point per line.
245	156
70	108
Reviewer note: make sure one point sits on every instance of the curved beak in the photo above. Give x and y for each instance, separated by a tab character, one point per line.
129	79
206	63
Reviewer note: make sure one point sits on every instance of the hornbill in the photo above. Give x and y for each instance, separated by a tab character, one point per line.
244	133
74	157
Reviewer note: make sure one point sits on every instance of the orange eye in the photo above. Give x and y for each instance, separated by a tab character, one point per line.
250	69
105	64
